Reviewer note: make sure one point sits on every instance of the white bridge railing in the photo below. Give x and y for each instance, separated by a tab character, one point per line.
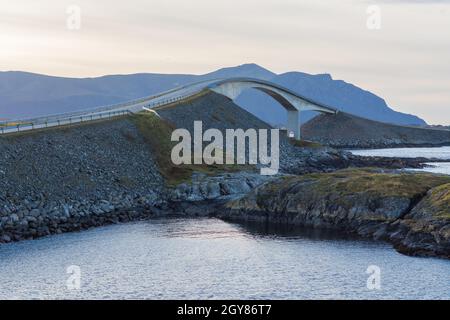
89	115
49	123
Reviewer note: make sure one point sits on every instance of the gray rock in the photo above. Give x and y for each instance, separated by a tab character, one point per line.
14	218
31	219
35	212
5	238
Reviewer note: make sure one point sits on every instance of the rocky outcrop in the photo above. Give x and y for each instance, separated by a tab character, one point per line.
204	188
426	228
400	208
323	159
206	195
344	130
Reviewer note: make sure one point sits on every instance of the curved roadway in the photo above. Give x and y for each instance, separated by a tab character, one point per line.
164	98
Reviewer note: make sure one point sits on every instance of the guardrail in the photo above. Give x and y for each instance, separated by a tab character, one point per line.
28	126
105	108
172	100
91	115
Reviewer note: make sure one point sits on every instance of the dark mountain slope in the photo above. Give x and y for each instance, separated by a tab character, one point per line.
345	130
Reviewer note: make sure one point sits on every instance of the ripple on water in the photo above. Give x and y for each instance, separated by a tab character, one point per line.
212	259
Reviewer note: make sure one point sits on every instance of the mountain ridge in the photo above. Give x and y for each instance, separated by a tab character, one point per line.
336	93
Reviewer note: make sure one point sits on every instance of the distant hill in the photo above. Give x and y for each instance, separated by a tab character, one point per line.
25	94
348	131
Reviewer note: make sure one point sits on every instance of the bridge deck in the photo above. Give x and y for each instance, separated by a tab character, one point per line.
159	100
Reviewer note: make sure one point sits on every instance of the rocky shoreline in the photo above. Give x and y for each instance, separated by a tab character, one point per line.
408	210
374	146
406	218
204	195
39	220
71	179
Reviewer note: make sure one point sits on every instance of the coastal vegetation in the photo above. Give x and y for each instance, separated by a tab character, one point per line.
157	134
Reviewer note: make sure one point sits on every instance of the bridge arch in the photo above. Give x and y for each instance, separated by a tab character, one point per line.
293	102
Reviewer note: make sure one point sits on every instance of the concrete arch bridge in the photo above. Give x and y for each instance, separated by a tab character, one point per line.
292	101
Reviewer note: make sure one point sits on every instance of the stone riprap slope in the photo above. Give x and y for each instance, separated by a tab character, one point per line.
348	131
69	178
219	112
214	110
72	178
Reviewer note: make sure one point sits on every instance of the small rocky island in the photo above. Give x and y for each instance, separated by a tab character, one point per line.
76	177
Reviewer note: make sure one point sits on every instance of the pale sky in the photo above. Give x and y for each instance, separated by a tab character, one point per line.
406	61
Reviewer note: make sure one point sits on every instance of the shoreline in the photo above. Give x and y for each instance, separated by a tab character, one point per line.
81	177
254	218
398	214
391	146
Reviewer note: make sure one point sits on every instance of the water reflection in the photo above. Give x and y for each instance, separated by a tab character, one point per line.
285	231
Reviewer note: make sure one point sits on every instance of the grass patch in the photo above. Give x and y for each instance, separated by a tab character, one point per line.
440	200
126	182
128	135
353	181
157	134
305	143
350	186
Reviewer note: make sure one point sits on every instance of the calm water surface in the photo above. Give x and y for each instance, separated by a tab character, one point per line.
212	259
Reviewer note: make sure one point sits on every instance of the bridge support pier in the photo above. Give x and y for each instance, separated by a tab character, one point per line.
293	124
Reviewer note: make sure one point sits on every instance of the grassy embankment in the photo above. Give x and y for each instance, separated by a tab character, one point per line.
438	202
305	143
157	133
351	181
367	180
